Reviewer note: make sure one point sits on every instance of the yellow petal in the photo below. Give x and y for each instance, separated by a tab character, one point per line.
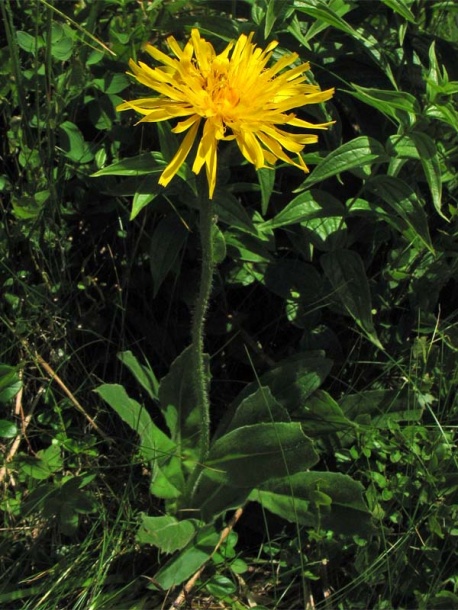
250	148
180	155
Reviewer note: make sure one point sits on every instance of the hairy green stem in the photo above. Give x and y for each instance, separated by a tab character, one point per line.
201	381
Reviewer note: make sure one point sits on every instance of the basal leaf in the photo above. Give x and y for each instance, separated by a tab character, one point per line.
178	402
247	456
154	444
168	482
166	533
324	500
143	374
321	415
180	568
260	407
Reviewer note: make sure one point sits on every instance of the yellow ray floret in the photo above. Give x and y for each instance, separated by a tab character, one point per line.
235	95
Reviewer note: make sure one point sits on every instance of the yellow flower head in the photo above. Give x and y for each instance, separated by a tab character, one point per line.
236	97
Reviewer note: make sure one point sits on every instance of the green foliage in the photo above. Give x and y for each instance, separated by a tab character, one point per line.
332	333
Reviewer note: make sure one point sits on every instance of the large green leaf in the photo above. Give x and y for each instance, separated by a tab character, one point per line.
354	154
321	415
168	481
260	407
179	405
250	455
167	533
418	145
231	212
345	271
168	238
143	374
182	567
427	152
405	202
73	144
212	499
322	500
380	408
398	105
244	247
306	206
154	444
291	382
147	190
146	163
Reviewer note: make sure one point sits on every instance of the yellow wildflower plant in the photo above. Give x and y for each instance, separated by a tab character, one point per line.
236	97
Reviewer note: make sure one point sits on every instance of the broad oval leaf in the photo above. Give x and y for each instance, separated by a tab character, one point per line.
323	500
250	455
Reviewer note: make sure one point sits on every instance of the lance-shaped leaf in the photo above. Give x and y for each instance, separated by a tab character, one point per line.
354	154
418	145
166	243
154	444
401	198
142	373
306	206
321	415
345	271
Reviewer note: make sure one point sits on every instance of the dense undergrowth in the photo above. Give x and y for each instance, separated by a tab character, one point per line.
350	271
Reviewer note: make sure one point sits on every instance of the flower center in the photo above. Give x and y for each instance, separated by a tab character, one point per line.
222	97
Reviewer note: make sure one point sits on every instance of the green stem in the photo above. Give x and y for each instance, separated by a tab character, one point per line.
201	379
